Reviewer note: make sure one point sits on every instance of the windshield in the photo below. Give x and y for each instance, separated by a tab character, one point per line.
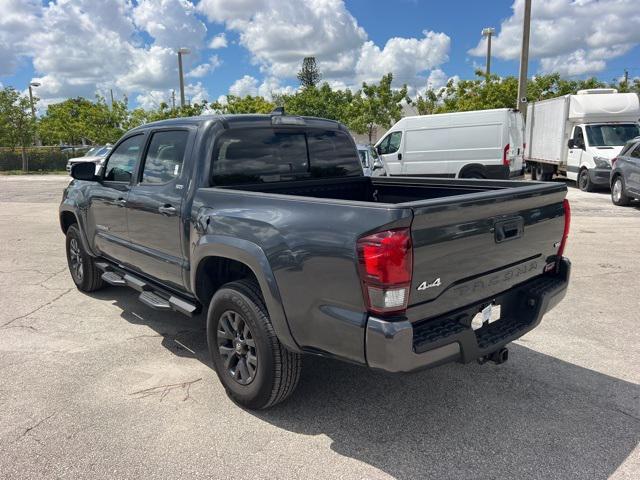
102	152
91	152
611	135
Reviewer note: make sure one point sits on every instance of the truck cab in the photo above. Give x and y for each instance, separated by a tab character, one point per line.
578	135
591	148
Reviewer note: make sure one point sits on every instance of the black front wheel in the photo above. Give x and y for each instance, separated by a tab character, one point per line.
584	181
257	371
84	272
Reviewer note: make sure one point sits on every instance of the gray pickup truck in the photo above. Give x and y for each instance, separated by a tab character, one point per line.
267	224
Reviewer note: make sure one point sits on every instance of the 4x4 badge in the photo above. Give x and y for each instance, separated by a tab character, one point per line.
425	285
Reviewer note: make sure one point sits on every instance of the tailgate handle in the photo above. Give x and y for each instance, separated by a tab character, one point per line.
509	229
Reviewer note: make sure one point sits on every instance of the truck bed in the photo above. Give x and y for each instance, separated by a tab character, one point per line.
390	190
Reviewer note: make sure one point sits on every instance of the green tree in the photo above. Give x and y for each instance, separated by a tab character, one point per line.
17	126
376	105
248	104
323	102
309	75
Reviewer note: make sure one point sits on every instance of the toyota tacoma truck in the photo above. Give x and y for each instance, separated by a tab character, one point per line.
267	224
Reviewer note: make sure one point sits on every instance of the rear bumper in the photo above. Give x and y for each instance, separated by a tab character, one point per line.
600	176
403	346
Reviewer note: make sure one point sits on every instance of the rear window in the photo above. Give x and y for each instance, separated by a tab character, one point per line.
243	156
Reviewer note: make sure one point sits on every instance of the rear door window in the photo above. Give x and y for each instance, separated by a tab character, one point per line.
164	157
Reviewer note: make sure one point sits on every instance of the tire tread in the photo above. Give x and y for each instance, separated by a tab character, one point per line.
287	364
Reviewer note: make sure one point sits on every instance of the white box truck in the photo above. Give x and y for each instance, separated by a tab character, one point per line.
474	144
578	135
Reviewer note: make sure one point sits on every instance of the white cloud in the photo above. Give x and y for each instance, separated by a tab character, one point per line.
572	37
172	23
204	69
280	33
18	19
219	41
246	85
405	57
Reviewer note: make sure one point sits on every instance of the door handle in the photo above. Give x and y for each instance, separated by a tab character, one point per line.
399	156
121	202
167	210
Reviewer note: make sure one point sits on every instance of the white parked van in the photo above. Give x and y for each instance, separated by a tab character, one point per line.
579	135
476	144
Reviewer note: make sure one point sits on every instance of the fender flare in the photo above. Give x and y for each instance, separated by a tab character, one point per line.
80	219
253	257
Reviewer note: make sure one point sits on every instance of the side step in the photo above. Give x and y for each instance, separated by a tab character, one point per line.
153	297
154	301
114	279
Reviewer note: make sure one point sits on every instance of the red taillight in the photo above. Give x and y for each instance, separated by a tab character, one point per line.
567	225
505	155
613	161
385	265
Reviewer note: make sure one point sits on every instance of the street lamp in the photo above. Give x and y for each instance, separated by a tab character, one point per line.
181	51
488	32
33	109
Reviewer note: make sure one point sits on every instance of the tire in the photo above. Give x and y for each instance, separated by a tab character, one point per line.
474	174
256	370
534	171
542	175
85	274
618	196
584	181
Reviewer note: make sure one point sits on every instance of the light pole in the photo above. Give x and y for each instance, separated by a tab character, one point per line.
524	59
488	32
33	109
181	51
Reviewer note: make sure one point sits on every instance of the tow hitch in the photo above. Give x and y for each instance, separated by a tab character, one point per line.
497	357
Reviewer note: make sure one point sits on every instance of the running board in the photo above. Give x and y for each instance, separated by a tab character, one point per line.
114	279
151	296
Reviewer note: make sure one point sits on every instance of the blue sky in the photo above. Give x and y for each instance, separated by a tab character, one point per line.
80	47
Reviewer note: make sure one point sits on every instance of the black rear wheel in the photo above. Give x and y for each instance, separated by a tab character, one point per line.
256	370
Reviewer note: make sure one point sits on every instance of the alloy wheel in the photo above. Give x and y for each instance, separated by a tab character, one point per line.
75	258
237	347
617	190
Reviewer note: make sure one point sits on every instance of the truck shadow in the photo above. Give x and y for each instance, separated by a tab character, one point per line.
533	417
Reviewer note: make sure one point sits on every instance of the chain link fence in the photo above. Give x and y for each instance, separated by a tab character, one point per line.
38	159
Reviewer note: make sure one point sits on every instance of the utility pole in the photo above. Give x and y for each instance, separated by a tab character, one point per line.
173	99
488	32
111	92
524	59
181	51
33	110
626	79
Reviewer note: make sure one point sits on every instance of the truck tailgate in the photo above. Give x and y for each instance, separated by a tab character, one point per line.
469	248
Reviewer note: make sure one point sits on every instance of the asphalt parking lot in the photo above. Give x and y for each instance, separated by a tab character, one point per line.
99	385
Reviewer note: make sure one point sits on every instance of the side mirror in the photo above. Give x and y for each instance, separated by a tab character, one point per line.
570	143
377	164
84	171
379	150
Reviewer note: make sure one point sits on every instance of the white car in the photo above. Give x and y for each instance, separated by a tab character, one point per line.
95	155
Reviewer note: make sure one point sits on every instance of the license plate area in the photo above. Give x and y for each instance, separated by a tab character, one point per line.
487	315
